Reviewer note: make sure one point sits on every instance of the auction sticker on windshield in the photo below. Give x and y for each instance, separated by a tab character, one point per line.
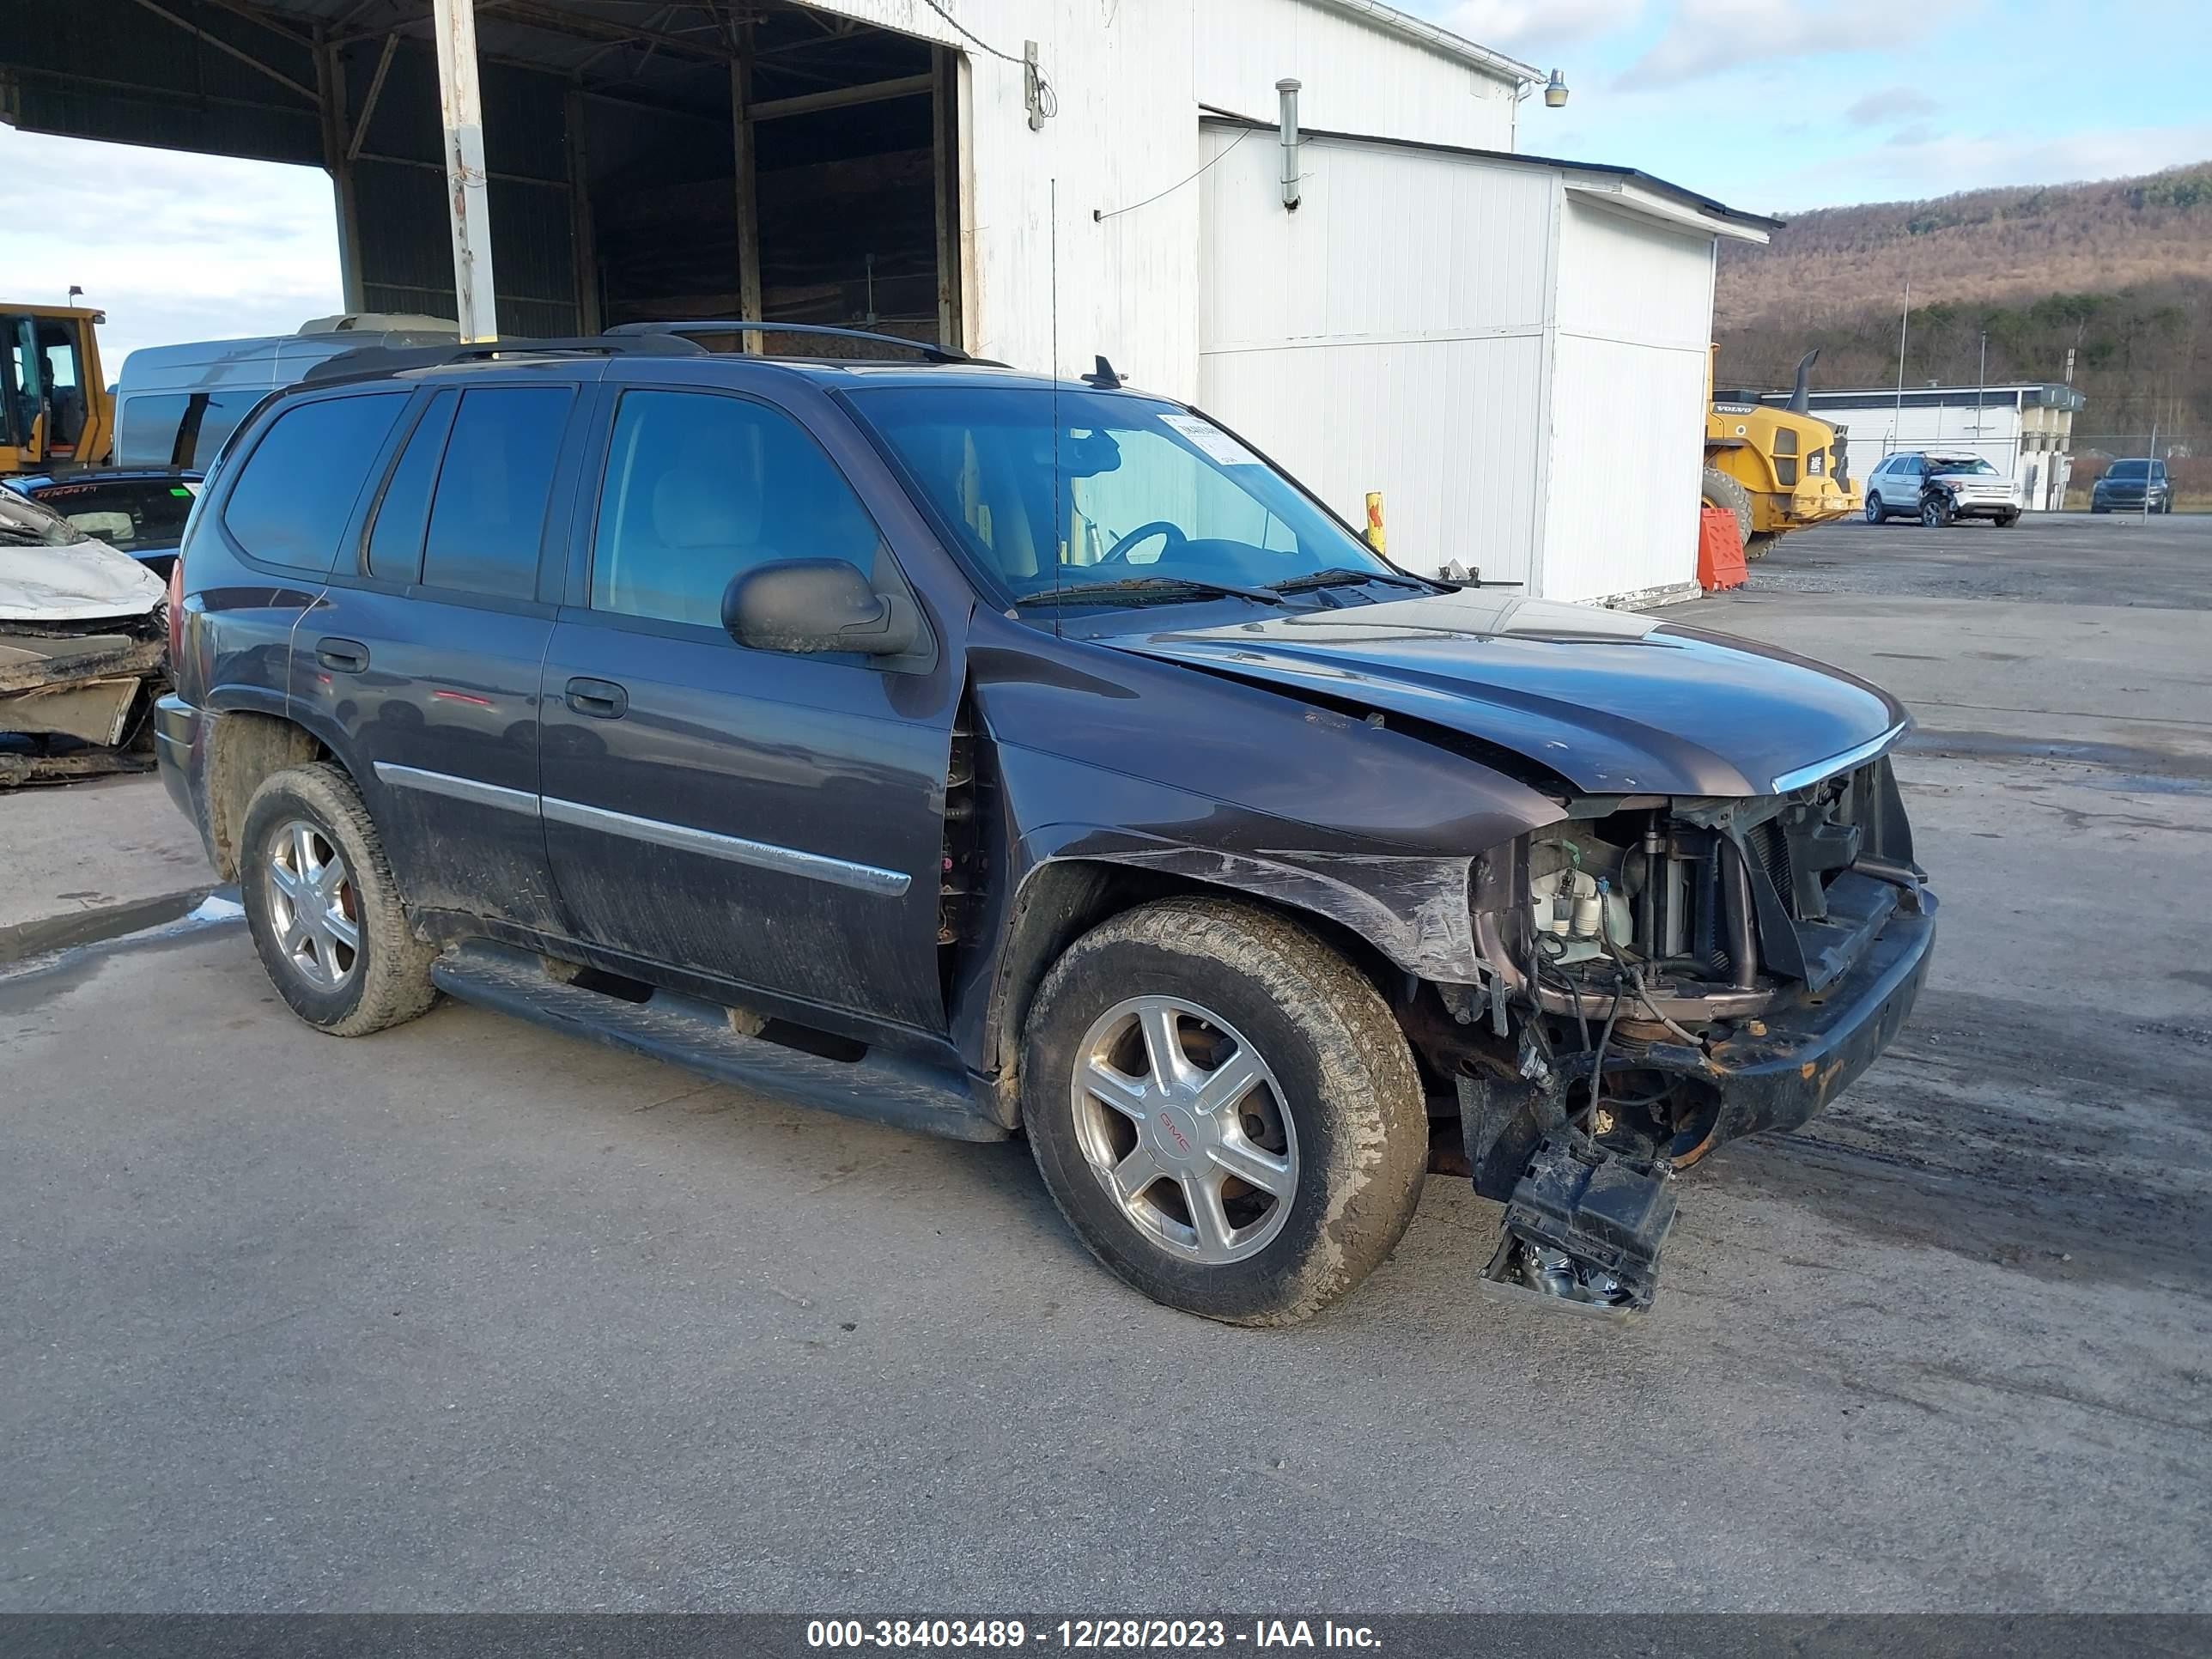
1212	440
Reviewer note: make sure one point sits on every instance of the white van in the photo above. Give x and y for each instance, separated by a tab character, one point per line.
175	404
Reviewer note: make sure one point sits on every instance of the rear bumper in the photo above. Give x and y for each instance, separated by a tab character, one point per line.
180	750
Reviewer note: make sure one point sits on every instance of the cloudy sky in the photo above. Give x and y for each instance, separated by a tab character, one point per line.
1770	105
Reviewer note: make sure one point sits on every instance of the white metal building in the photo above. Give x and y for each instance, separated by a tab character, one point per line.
1511	349
2024	429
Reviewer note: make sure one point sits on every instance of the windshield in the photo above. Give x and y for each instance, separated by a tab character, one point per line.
1974	466
2137	469
1149	496
25	524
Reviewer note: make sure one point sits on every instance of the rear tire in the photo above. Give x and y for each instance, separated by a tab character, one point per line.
1722	491
1333	1129
1874	510
323	907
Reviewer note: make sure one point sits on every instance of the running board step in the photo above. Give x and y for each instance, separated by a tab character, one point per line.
697	1035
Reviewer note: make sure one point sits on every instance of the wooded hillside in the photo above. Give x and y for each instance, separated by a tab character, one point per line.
2120	269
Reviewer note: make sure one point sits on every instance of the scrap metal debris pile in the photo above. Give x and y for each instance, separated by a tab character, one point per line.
83	650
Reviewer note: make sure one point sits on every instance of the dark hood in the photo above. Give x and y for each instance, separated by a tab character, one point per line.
1615	702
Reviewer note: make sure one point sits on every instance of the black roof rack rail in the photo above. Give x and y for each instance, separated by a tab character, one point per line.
930	350
393	360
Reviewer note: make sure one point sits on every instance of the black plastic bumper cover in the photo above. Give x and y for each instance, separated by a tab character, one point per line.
1777	1072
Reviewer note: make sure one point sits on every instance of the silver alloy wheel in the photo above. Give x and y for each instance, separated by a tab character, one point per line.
1874	513
1183	1123
313	905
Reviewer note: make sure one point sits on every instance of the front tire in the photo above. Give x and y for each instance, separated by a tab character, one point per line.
2007	521
1224	1109
323	907
1933	514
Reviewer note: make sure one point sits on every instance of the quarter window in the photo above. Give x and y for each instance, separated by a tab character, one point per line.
291	503
488	514
395	546
700	487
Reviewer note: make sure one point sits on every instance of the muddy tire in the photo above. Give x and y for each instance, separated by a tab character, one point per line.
1283	1065
1718	489
323	908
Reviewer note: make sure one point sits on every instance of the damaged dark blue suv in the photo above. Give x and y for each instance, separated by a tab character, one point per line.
985	754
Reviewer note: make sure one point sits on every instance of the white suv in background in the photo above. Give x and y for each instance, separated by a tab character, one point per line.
1937	489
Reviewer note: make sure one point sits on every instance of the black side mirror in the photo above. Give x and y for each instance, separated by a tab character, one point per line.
816	605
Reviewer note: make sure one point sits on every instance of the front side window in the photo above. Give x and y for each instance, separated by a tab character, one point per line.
1049	490
488	514
700	489
293	501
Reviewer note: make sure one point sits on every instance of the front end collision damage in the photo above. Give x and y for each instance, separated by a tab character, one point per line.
1767	950
1761	948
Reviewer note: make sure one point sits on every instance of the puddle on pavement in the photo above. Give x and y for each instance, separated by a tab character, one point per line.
37	958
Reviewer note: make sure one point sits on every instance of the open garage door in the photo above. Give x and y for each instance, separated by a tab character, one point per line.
755	157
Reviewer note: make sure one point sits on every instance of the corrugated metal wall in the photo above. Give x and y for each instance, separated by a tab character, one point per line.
1391	334
406	248
1112	275
111	69
1356	78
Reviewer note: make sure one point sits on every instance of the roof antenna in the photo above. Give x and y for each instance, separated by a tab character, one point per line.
1104	376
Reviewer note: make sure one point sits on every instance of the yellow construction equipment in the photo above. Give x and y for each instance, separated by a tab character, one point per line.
55	411
1776	470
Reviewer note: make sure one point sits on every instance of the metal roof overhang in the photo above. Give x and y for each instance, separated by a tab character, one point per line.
1628	190
245	77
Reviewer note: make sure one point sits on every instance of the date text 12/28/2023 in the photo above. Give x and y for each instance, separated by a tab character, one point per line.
1075	1635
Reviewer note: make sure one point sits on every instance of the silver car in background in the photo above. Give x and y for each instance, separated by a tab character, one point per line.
1938	488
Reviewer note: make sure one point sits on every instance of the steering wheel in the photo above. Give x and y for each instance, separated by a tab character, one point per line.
1119	553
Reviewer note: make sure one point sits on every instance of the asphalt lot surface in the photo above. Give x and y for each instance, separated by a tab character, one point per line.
467	1315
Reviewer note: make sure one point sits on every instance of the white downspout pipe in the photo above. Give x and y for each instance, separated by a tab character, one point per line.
1286	92
467	191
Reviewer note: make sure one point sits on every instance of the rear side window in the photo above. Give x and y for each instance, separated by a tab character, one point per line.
395	546
291	504
488	514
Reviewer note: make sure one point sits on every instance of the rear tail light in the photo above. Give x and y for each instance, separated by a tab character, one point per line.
176	613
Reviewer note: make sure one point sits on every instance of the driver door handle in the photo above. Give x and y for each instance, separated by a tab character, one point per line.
601	700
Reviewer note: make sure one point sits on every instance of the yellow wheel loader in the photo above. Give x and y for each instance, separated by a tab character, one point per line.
1776	470
55	411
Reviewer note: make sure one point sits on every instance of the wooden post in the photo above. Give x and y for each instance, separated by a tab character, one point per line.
468	191
742	149
945	166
